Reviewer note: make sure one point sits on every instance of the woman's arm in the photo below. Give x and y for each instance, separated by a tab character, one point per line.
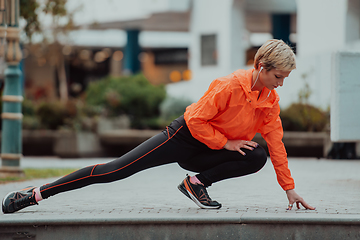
198	116
272	132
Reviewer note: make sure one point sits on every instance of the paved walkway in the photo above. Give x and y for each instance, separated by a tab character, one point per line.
332	186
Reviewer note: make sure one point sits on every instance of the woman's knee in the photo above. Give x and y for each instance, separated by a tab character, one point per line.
259	157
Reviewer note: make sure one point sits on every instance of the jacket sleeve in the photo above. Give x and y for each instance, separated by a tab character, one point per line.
198	116
272	132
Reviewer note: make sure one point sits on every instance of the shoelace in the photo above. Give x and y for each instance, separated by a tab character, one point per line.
206	194
25	201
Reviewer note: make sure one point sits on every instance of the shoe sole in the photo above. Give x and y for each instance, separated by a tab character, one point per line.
200	204
194	199
184	191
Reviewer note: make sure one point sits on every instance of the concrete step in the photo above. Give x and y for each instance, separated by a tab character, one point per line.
184	224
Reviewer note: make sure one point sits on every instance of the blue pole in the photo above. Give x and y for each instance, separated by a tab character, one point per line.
11	146
281	27
11	135
131	52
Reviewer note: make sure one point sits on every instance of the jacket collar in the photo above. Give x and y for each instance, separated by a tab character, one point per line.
267	99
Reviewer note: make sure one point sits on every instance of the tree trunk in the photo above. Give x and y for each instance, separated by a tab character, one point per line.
63	87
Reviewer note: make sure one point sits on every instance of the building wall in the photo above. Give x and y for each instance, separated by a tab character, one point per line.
225	19
320	33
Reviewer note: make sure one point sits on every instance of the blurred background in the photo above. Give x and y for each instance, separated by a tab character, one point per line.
100	76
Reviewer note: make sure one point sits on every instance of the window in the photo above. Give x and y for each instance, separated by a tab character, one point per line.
208	50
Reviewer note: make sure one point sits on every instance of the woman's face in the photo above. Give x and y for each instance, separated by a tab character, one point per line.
273	78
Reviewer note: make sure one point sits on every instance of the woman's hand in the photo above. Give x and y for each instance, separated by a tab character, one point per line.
236	145
295	198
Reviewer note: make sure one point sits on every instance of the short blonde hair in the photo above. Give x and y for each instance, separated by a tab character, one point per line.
276	54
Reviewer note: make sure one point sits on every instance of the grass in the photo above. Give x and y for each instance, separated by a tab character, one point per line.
36	173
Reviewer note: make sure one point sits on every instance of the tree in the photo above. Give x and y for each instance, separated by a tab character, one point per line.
61	23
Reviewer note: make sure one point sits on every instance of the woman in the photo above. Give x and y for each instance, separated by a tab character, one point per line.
213	138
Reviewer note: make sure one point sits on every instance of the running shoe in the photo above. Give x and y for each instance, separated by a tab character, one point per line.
17	200
198	194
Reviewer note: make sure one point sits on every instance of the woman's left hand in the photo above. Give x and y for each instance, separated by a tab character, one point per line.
295	198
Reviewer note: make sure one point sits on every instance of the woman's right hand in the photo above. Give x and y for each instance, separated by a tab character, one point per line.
236	145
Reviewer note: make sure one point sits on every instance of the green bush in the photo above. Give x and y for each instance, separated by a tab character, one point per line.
133	95
303	117
171	108
30	122
52	115
28	108
80	116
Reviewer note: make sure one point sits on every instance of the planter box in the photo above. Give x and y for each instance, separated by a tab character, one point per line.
38	142
70	144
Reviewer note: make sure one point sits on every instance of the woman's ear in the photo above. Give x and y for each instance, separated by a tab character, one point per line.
261	66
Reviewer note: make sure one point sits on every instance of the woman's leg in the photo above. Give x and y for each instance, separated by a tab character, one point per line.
217	165
156	151
172	145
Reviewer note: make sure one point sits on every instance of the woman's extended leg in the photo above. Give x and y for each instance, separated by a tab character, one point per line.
167	147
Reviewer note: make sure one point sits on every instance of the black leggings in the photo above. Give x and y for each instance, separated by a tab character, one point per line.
174	144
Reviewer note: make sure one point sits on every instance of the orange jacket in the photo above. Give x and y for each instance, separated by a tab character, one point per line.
230	110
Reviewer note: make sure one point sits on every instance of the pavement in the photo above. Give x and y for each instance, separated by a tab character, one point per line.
151	196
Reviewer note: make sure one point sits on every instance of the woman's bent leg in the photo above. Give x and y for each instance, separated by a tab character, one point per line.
217	165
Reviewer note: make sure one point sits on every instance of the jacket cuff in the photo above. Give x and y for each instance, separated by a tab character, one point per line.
288	187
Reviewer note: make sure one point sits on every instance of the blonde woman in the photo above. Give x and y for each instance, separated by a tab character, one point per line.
212	138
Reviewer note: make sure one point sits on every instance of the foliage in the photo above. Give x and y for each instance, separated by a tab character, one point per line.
305	93
304	117
80	116
134	96
74	115
28	108
30	123
30	10
51	114
171	108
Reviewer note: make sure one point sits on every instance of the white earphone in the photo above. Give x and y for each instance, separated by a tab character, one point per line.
261	68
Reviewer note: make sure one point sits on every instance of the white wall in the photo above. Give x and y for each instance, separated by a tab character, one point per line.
225	19
320	32
320	26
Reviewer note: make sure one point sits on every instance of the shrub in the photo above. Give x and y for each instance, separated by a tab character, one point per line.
133	95
171	108
51	114
28	108
80	116
30	122
303	117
